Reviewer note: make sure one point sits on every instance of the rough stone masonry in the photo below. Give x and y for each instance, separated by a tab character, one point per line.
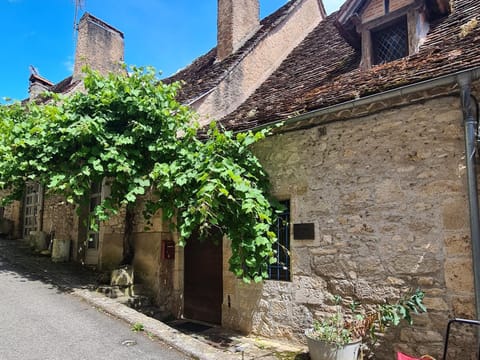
387	195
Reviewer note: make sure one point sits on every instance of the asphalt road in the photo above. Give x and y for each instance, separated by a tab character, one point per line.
40	322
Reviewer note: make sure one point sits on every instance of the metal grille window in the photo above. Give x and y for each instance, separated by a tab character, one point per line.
280	270
391	42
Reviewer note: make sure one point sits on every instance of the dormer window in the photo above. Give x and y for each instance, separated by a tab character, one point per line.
388	30
390	42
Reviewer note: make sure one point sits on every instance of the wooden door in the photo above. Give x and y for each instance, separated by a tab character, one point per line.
203	281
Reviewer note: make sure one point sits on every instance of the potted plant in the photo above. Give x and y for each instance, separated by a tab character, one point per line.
339	335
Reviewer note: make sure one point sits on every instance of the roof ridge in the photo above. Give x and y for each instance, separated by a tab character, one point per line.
267	24
253	41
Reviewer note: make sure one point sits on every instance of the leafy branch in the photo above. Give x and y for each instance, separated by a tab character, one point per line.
128	131
345	326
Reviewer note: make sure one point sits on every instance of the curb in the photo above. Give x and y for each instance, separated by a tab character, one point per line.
79	285
184	343
172	337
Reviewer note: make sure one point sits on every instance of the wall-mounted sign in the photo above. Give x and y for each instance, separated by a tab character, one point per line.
304	231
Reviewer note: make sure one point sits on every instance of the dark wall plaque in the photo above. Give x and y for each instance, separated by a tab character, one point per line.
304	231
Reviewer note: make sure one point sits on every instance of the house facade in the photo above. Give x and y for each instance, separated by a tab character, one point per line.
374	162
249	50
371	161
376	158
42	216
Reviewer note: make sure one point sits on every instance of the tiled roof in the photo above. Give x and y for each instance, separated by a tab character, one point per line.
324	69
35	78
205	72
63	86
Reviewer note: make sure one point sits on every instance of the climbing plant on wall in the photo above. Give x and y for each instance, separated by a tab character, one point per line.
129	129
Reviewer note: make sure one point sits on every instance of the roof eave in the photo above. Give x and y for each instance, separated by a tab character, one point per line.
472	73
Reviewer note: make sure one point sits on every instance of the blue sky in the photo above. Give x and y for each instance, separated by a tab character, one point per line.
166	34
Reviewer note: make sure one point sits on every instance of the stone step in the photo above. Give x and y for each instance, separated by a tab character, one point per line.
141	289
114	291
139	301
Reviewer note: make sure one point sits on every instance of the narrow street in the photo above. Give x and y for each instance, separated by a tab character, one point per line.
39	321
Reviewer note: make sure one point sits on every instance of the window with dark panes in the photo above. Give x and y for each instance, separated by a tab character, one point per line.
32	204
95	200
280	270
390	42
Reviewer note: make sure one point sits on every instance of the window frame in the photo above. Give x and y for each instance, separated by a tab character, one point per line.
403	22
32	208
281	270
93	237
410	13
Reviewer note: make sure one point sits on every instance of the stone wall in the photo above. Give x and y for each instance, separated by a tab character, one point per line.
387	195
151	269
13	213
58	218
111	241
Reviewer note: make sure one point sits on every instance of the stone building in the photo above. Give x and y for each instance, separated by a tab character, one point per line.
375	162
248	52
371	161
101	47
378	104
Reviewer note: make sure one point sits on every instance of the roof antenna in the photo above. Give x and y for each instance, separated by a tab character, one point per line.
79	5
33	70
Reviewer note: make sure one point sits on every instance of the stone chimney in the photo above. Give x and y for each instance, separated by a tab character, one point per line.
37	85
237	21
99	45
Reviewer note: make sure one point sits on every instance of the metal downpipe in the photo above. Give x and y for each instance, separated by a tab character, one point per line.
470	127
